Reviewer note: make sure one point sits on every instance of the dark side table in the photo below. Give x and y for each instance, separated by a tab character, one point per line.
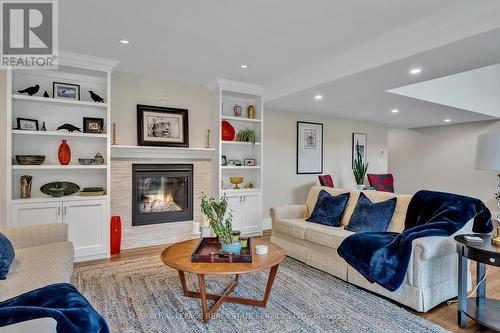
486	311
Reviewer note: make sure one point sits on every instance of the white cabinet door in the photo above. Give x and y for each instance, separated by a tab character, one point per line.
36	213
87	228
234	206
251	213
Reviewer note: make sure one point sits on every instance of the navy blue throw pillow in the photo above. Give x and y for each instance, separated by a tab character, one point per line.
6	256
369	216
329	208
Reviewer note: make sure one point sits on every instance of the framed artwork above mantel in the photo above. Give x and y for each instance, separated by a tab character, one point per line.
162	126
309	148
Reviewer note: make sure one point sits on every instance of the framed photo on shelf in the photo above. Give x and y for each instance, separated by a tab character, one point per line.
309	148
249	162
162	126
93	125
359	145
27	124
66	91
223	160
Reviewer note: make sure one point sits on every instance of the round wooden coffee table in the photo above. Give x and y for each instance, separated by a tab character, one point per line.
178	256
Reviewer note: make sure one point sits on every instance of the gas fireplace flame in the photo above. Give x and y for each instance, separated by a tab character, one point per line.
160	202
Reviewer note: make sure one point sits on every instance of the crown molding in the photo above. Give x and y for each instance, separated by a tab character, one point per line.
72	59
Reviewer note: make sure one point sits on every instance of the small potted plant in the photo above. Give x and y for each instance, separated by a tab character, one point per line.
220	222
246	135
359	170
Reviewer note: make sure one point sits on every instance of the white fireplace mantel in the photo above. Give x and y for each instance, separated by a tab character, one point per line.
160	153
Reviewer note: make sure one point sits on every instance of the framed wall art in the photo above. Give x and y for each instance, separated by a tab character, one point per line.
27	124
93	125
162	126
66	91
359	146
309	148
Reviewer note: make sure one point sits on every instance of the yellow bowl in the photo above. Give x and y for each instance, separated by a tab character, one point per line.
236	181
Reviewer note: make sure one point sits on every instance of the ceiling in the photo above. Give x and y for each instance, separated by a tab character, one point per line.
292	47
363	95
475	90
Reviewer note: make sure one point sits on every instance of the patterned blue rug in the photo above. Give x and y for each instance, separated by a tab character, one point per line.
143	295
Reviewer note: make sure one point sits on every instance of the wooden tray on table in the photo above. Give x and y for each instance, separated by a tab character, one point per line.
209	250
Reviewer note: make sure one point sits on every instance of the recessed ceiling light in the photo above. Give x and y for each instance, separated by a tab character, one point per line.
244	66
318	97
415	70
447	120
394	110
124	41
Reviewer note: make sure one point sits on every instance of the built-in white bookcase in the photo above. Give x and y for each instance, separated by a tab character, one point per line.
90	73
246	204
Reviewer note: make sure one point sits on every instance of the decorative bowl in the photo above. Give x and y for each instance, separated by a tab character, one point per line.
56	192
234	247
30	159
87	161
236	181
228	132
68	187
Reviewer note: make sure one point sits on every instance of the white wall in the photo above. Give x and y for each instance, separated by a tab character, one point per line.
442	158
281	183
129	89
3	152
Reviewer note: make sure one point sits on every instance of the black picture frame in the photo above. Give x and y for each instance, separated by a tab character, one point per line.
88	121
56	95
301	146
152	111
356	136
19	120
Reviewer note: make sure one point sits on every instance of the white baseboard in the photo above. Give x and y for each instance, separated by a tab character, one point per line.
267	223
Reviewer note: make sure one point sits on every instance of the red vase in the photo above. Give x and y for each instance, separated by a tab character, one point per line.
64	153
115	234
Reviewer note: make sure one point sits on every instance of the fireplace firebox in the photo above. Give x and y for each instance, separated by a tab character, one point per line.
161	193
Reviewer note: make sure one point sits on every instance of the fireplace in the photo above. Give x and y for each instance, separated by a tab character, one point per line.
161	193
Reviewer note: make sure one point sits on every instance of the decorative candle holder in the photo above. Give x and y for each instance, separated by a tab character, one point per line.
496	239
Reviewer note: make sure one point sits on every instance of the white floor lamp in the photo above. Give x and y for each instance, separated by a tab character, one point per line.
488	158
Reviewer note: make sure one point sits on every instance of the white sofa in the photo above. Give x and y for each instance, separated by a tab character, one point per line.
432	272
43	256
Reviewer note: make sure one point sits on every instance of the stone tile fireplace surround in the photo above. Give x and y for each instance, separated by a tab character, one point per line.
121	203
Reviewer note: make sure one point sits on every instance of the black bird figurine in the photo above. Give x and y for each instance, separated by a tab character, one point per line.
46	94
96	98
30	91
69	128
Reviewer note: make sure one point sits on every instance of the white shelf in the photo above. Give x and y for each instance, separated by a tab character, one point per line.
73	197
53	167
241	119
60	133
239	143
243	167
242	190
50	100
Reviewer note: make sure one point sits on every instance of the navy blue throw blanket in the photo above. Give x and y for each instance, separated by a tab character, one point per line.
383	257
60	301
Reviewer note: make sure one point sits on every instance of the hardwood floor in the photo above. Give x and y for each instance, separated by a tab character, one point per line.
444	315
